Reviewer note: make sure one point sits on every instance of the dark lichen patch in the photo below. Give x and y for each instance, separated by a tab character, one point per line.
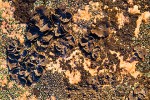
23	10
35	92
21	67
121	41
26	62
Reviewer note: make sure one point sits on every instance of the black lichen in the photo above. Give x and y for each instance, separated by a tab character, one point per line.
25	62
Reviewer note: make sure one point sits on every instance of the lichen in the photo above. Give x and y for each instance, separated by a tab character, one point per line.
126	43
144	41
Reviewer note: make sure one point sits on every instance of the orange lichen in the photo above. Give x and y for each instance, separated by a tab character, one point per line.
94	5
74	76
4	4
121	19
146	16
130	2
74	59
82	14
4	81
53	98
134	10
7	10
10	84
129	67
54	66
23	96
87	64
143	17
78	29
18	36
3	64
33	97
97	8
